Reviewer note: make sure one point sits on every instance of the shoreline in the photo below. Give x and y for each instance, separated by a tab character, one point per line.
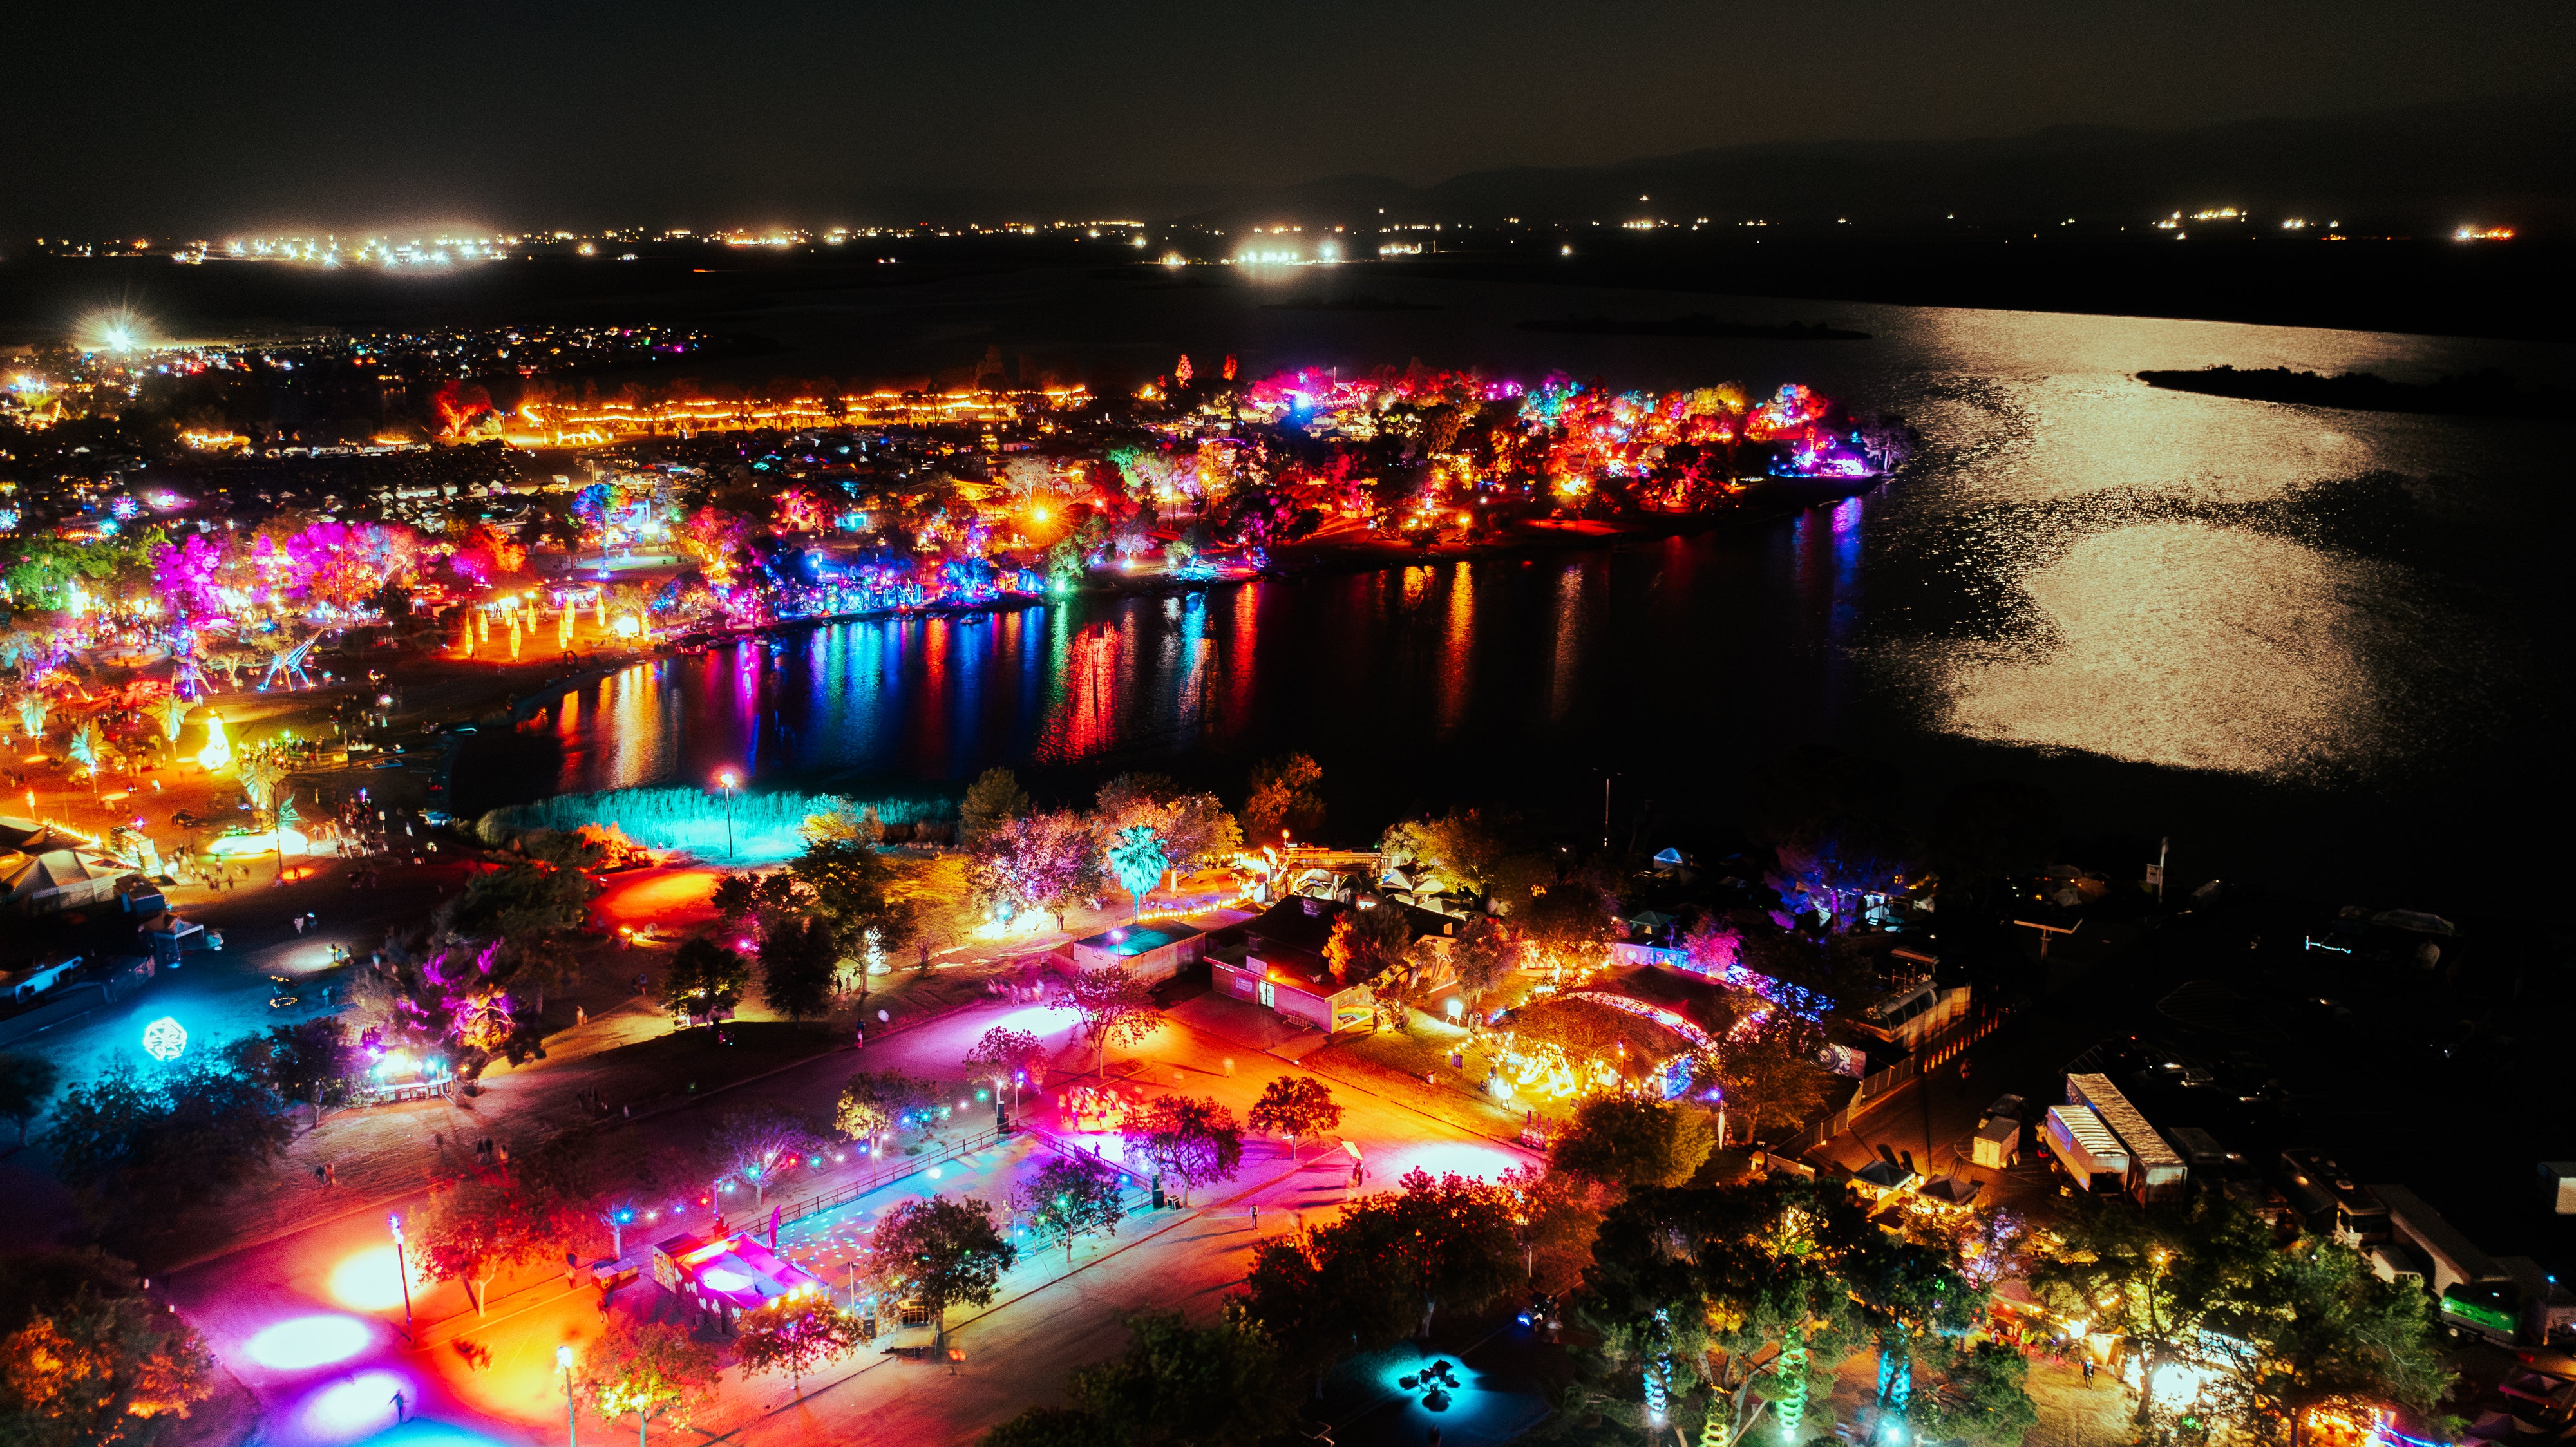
1782	498
442	693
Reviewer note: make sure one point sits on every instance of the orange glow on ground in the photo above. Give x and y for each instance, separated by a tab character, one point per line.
367	1280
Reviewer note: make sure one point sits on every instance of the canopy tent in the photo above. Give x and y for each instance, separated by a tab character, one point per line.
730	1271
168	936
29	836
55	879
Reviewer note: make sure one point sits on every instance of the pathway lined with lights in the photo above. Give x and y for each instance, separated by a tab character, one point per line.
313	1323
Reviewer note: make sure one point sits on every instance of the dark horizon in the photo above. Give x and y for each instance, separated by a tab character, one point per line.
169	119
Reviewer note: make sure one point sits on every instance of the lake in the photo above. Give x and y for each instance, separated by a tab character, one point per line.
2314	647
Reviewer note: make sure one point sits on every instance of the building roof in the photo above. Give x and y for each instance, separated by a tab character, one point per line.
1139	939
2106	1101
2085	1128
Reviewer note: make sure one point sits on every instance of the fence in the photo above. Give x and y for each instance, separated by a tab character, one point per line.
1934	1053
885	1170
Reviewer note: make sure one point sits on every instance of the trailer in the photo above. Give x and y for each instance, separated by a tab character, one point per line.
2084	1146
2156	1171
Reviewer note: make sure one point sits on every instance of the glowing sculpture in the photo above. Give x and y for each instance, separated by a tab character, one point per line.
164	1039
216	753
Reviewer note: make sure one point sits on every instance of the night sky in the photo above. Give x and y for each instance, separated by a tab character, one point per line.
160	116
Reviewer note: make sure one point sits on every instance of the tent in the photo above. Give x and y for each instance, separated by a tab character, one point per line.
55	879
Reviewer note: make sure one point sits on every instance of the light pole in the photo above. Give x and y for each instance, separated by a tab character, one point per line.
572	1428
402	1270
729	779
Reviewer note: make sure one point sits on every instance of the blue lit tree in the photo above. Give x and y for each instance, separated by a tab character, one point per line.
1137	857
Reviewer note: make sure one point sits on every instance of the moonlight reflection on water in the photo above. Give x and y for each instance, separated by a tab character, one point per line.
2188	646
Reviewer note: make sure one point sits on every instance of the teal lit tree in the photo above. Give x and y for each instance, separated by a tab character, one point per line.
1137	857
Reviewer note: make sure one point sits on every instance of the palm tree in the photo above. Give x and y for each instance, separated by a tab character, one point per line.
1137	857
33	710
172	714
261	773
84	748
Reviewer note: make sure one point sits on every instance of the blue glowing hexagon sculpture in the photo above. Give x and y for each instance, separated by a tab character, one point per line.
164	1039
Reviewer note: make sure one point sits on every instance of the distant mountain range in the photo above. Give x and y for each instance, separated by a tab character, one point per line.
2509	161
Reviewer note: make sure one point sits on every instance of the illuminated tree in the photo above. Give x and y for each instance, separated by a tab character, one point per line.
1295	1108
1055	1427
1137	857
1481	956
33	710
26	1083
1558	1215
874	1103
84	746
1028	478
800	966
796	1335
1713	946
1284	795
524	898
1177	1385
606	1179
1571	921
308	1063
1634	1143
1070	1197
1365	943
1002	1053
1770	1073
86	1359
1908	1293
797	510
1981	1398
713	538
479	1226
135	1143
1038	861
260	775
940	1252
994	799
1448	1241
650	1369
1746	1267
759	1143
187	575
1116	1007
2156	1275
171	712
1322	1295
850	883
1190	1140
703	978
2317	1331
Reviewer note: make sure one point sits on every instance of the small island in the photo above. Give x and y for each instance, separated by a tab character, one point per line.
2486	393
1697	324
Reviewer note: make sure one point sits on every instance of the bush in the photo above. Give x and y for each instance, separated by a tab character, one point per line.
764	826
